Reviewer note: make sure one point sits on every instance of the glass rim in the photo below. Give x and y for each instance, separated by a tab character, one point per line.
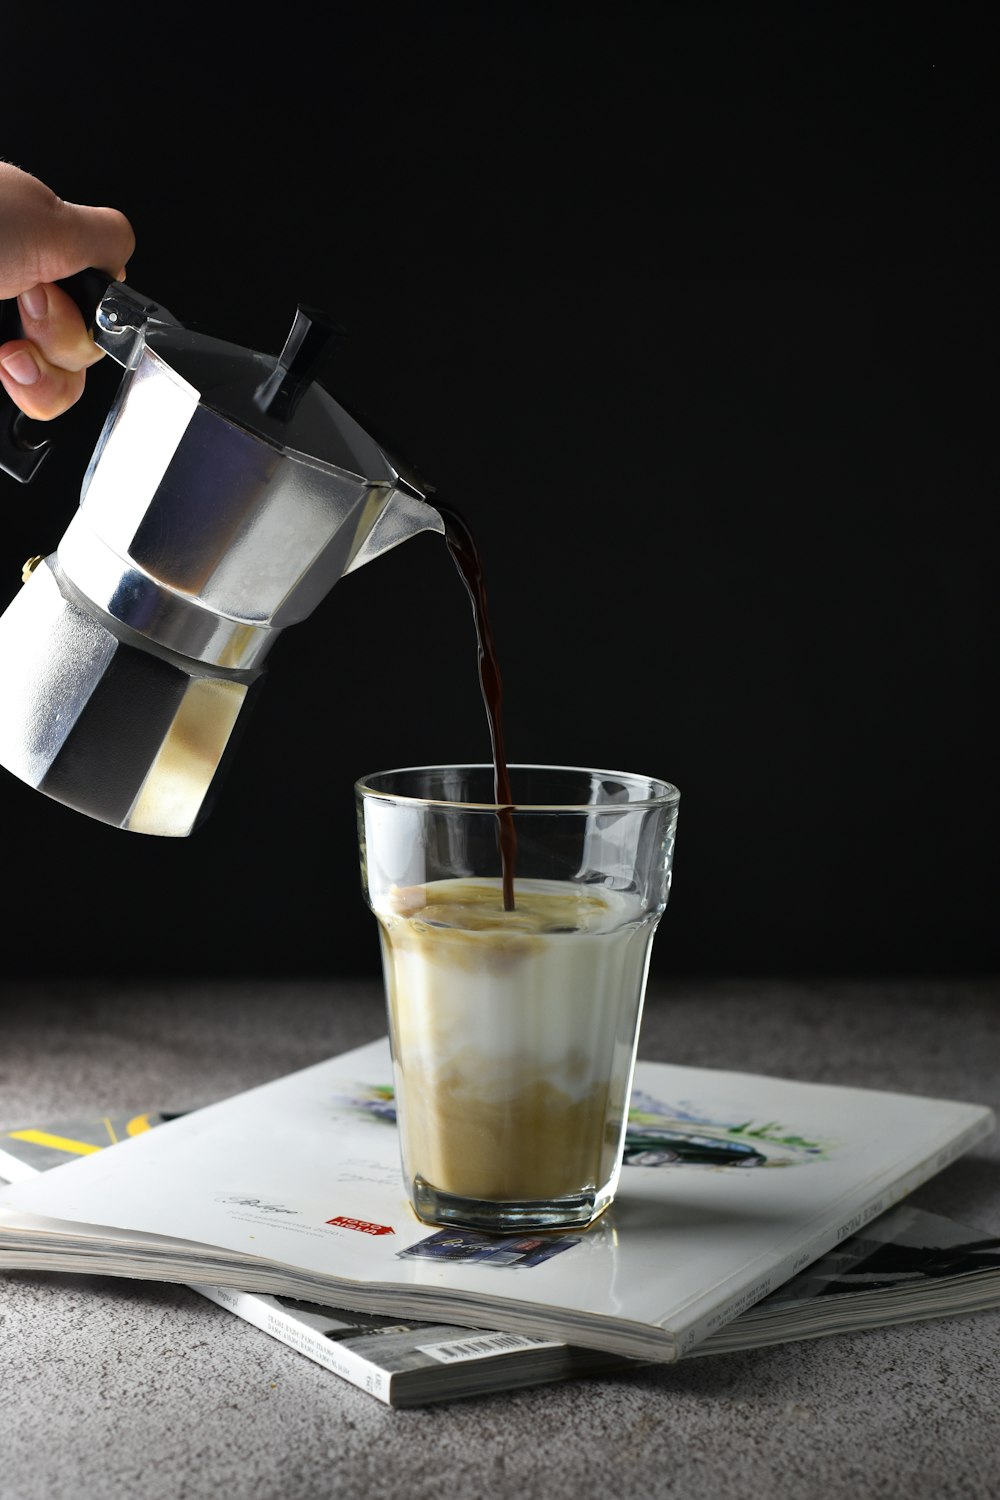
666	797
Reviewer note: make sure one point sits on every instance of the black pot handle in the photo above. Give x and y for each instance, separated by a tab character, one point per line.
24	444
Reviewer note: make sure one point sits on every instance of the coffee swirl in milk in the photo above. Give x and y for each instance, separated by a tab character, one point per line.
507	1027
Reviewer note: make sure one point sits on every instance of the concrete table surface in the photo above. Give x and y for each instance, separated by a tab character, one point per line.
115	1389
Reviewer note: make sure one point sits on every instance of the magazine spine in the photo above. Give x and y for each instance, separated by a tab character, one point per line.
848	1220
270	1317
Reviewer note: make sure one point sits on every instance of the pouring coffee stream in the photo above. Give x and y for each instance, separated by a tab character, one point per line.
466	556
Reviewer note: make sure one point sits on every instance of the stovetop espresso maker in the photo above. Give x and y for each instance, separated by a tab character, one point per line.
227	494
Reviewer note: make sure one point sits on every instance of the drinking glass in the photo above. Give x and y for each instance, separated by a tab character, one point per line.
514	1023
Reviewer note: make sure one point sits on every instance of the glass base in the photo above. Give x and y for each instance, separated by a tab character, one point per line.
511	1217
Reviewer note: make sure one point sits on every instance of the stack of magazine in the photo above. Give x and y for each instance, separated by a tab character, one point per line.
752	1211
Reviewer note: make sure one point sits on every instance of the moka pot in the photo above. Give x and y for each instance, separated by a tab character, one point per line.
227	494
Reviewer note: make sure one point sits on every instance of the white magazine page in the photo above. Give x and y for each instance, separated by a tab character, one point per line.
304	1171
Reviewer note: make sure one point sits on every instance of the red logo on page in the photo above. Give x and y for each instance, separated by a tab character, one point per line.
343	1222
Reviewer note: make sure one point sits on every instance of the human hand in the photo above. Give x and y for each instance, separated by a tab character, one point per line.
43	240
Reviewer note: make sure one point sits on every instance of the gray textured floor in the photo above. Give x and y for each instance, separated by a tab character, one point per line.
114	1389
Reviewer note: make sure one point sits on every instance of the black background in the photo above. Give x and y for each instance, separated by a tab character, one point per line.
690	310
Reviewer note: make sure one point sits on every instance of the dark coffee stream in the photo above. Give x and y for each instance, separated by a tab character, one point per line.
465	553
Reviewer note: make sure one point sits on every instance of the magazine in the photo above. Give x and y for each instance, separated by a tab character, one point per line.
905	1266
734	1183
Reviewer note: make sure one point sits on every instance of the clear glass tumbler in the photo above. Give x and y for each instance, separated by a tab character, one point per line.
514	1028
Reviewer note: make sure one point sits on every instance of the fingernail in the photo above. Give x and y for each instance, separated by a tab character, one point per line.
21	368
35	302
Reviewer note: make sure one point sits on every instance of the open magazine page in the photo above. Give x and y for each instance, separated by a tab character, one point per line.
401	1364
905	1265
294	1189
